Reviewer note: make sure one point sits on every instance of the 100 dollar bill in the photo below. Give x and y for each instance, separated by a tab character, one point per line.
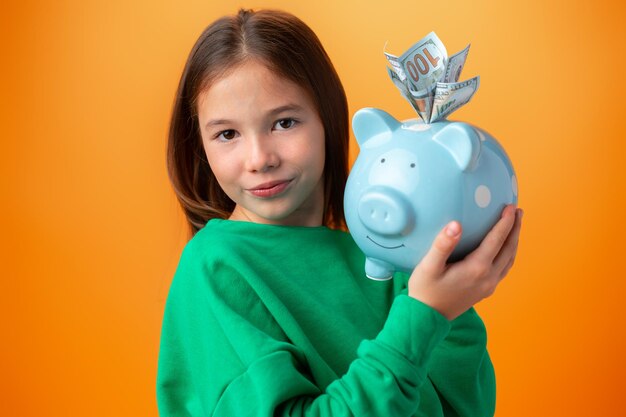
428	79
451	96
424	63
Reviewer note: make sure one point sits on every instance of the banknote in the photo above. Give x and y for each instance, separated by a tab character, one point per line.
395	64
429	80
455	66
421	104
425	62
451	96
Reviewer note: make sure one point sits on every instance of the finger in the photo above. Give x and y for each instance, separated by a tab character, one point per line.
509	249
507	268
435	259
494	240
510	245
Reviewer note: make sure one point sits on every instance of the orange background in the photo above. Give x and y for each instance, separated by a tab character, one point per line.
91	231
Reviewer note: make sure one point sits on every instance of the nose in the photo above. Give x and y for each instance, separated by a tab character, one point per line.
262	154
385	211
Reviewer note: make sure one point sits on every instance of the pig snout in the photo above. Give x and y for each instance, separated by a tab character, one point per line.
385	211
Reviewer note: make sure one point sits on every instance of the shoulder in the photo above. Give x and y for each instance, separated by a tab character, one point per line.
209	241
204	259
211	275
215	245
250	249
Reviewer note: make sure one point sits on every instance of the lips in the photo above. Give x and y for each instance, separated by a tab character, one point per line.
269	189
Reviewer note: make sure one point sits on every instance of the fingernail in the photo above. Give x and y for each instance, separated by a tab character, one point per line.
509	209
521	213
453	229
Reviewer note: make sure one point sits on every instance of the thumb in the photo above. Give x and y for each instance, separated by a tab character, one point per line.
435	259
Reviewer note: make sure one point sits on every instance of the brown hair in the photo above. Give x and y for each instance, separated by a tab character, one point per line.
290	48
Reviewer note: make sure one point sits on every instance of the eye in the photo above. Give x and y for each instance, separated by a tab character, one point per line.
284	124
226	135
382	161
413	165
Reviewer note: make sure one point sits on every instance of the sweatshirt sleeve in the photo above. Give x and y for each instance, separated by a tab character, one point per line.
222	354
462	371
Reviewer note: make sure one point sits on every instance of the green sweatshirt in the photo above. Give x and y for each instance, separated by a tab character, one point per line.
268	320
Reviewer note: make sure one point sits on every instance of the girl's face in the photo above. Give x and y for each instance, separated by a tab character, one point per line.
264	142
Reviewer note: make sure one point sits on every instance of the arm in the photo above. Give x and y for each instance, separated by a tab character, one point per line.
461	370
223	354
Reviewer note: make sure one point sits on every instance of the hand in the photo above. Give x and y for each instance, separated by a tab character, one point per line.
451	289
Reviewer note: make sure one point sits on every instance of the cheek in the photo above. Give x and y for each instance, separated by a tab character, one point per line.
206	151
316	156
221	165
306	150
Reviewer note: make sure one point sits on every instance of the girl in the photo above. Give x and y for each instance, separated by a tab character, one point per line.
270	313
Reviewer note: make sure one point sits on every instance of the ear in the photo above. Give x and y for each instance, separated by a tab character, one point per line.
463	143
369	122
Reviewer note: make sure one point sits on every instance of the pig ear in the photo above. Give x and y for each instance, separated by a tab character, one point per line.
462	141
369	122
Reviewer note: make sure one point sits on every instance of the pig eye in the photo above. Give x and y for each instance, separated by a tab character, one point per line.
413	165
382	161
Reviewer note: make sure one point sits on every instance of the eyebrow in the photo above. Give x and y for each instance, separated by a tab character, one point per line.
272	113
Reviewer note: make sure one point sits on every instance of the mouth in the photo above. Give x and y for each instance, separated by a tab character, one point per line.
269	189
384	247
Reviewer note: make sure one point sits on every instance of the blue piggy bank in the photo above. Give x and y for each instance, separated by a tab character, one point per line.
411	178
